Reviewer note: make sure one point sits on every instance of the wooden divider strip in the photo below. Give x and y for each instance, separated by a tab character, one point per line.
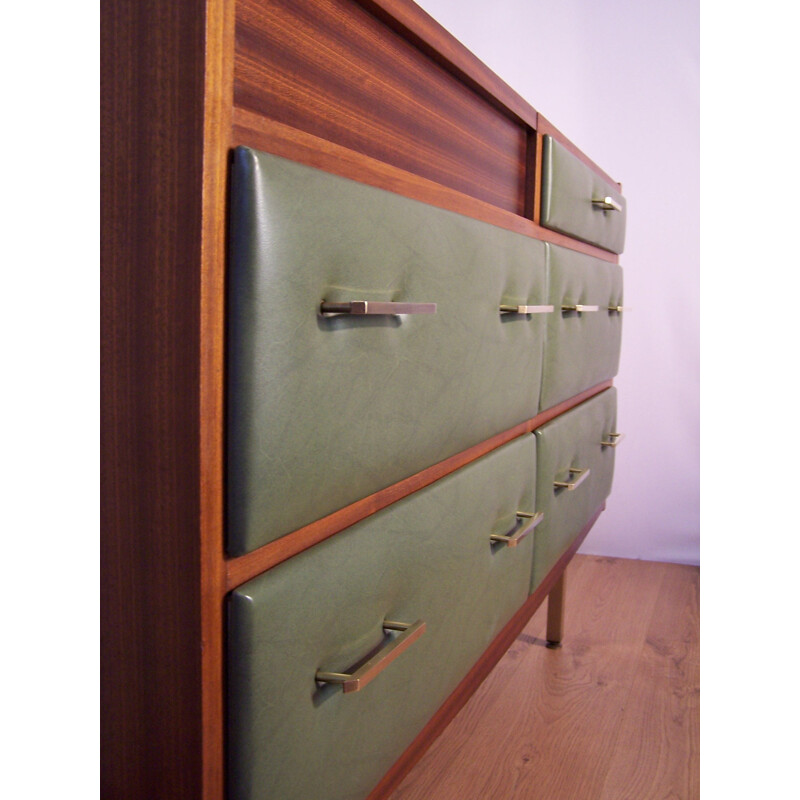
218	104
243	568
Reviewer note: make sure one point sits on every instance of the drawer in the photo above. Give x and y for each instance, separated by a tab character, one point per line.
582	347
573	441
578	202
428	557
325	410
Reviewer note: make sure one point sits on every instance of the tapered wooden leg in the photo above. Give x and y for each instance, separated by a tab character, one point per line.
555	613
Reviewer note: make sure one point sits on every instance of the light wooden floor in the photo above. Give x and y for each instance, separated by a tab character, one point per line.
611	715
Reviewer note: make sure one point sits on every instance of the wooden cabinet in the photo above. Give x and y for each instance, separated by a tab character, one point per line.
213	364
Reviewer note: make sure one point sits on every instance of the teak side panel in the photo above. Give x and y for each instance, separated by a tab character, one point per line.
331	68
152	107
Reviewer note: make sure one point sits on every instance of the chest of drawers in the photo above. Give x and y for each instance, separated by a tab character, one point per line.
362	309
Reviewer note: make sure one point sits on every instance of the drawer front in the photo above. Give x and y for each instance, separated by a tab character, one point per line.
582	347
572	441
427	557
326	410
573	200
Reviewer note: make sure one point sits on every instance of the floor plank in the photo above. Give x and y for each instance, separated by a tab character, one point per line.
611	714
657	753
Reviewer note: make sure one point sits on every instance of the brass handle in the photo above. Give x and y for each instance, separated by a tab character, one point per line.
619	309
613	439
607	204
570	485
372	308
516	538
580	308
526	309
411	631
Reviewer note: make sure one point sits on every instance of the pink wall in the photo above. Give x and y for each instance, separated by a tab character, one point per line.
621	79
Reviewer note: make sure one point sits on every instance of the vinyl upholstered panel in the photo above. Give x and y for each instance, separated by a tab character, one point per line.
568	188
323	411
572	441
429	557
582	348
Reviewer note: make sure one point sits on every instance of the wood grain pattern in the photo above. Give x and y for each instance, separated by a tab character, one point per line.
588	719
415	25
471	683
331	68
254	130
658	750
243	568
152	105
533	159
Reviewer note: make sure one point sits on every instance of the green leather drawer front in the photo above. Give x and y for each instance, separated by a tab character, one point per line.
582	347
572	441
568	188
427	557
323	411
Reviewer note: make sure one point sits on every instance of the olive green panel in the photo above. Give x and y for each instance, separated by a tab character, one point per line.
582	348
571	441
568	188
325	411
426	557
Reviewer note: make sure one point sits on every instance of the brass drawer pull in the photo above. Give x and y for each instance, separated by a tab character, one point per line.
411	631
619	309
613	439
570	485
580	308
373	308
607	204
526	309
516	538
